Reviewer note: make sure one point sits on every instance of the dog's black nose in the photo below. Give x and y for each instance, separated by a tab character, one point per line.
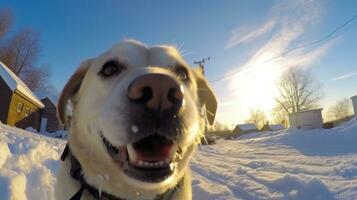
156	92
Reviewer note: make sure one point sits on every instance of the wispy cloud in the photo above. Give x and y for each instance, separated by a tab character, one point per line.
242	35
254	85
344	76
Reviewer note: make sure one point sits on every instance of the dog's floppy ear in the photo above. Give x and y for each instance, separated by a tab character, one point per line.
206	95
71	88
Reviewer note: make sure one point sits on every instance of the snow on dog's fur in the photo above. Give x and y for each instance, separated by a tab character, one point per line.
101	109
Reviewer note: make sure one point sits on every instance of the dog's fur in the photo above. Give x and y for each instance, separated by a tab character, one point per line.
101	105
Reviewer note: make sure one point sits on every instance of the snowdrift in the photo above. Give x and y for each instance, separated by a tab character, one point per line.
28	164
288	164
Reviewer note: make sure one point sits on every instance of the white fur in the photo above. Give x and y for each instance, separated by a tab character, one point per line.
98	105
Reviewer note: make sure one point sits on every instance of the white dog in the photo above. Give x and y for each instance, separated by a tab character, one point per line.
138	115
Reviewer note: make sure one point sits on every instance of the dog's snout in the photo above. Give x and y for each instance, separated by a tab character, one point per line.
156	92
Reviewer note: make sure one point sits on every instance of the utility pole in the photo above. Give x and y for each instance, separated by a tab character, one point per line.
201	63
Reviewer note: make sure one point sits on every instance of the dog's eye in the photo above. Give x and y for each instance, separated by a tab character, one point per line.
111	68
182	73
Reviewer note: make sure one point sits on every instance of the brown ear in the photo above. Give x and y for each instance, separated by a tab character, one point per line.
206	95
71	88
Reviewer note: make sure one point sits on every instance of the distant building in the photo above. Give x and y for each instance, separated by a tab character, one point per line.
309	119
50	122
272	127
18	105
244	128
354	103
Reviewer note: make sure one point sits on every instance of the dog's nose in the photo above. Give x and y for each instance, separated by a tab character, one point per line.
157	92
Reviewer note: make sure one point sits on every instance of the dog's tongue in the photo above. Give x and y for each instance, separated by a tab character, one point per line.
152	148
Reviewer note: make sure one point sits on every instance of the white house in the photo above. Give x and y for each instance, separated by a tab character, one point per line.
309	119
354	102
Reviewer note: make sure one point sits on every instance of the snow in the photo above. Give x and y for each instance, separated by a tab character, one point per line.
28	164
276	127
285	164
15	83
134	128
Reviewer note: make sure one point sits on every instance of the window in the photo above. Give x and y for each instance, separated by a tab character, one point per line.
19	107
27	112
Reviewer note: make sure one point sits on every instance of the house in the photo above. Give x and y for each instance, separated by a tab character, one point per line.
272	127
244	128
19	106
354	103
50	122
309	119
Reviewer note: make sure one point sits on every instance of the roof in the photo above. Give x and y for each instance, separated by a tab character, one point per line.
16	84
312	110
247	127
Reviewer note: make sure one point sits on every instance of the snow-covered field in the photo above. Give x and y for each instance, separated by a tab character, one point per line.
290	164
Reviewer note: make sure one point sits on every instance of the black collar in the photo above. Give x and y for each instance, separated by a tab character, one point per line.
76	173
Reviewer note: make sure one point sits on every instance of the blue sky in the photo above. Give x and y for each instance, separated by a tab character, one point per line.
237	35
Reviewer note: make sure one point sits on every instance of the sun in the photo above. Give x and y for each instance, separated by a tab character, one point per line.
254	87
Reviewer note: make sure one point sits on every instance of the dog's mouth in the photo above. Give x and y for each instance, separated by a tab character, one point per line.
151	159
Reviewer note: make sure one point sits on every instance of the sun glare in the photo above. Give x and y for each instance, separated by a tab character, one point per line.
255	87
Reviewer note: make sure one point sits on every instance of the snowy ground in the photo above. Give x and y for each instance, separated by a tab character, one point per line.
291	164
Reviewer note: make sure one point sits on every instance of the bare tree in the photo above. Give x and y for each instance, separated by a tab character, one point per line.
257	117
21	51
36	77
5	22
280	116
298	91
341	109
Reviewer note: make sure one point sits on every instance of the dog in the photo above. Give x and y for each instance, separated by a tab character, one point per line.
138	114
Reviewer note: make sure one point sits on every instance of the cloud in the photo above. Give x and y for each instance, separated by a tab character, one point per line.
344	76
253	84
241	35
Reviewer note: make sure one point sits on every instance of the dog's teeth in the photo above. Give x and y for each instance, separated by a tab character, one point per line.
173	150
172	165
157	164
132	153
167	161
146	164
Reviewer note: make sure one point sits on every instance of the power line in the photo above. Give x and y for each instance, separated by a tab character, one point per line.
327	37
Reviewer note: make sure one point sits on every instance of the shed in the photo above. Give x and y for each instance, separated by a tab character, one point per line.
244	128
354	103
19	106
309	119
50	122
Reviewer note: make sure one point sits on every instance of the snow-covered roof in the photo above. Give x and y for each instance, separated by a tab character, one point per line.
276	127
15	83
312	110
247	127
